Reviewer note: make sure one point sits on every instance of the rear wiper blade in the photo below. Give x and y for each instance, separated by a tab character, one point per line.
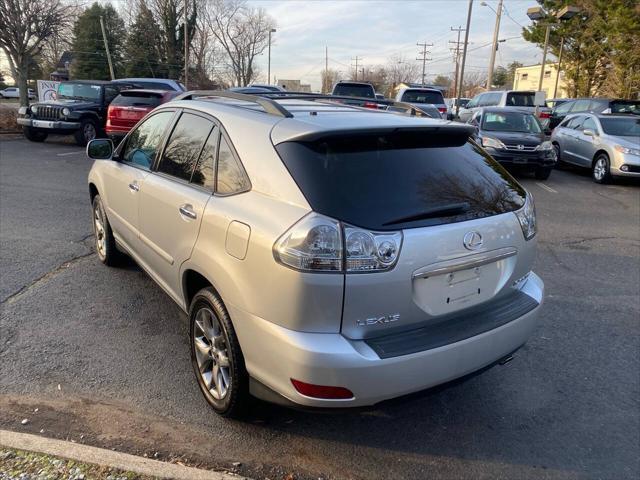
435	212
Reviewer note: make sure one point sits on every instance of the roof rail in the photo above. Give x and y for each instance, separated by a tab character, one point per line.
270	106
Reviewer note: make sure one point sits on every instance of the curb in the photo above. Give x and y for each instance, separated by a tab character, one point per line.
100	456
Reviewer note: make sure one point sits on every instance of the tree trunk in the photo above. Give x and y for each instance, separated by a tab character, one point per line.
22	72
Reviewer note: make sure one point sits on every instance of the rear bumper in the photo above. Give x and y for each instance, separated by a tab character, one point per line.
274	355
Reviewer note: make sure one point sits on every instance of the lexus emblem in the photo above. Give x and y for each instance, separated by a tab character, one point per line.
472	240
520	147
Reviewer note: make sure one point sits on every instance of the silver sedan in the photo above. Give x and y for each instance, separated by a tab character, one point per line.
607	144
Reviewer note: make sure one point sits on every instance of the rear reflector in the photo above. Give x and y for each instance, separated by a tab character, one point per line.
321	391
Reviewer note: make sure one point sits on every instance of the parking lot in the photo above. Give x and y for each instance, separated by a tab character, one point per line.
103	353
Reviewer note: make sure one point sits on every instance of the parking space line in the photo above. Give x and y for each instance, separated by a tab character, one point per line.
546	187
67	153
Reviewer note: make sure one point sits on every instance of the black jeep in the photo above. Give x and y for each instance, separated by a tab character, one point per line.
80	109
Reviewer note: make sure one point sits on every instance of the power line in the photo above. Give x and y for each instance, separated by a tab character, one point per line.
356	60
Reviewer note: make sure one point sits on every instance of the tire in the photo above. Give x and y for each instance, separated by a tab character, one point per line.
210	326
34	135
87	132
105	244
601	170
542	173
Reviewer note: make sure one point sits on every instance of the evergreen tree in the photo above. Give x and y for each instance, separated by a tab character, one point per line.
89	54
142	58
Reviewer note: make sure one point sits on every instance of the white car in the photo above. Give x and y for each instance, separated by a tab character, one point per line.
14	92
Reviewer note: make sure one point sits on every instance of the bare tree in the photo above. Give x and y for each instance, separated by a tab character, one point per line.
242	33
25	25
399	70
329	78
474	83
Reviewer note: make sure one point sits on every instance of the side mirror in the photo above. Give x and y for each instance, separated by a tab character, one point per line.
589	133
100	149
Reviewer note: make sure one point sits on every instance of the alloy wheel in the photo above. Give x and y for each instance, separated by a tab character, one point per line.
89	131
211	353
600	169
99	229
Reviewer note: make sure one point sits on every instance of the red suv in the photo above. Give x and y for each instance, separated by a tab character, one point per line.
129	107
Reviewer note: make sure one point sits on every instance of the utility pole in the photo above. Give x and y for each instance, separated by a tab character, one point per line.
325	87
106	47
457	58
424	58
186	47
271	30
357	59
464	55
496	30
555	88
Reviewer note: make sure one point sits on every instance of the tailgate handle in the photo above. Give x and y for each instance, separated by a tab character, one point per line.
464	263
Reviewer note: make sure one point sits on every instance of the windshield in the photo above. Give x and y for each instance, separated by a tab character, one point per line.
422	96
354	90
79	91
521	99
400	180
621	127
626	106
510	122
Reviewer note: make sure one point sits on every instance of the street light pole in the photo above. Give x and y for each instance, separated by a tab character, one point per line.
272	30
464	56
496	31
555	88
544	55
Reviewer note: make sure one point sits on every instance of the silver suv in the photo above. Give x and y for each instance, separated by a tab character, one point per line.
327	255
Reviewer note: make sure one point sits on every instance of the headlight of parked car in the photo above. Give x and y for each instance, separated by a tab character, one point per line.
546	145
628	151
34	109
66	112
527	218
23	110
492	142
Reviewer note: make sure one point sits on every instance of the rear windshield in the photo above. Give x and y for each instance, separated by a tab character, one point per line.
521	99
137	99
399	180
151	85
621	127
423	96
625	106
354	90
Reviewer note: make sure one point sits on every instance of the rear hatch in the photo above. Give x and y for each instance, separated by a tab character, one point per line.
462	245
130	106
425	96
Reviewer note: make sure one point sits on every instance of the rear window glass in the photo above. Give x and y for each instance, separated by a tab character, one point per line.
626	106
399	180
137	100
423	96
521	99
152	85
354	90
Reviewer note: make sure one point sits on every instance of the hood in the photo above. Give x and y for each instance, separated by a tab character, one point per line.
72	104
628	142
515	138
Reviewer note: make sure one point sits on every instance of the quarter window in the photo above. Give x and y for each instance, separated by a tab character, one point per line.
144	142
183	148
203	174
231	176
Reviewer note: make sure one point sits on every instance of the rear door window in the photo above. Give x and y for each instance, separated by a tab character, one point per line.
204	173
184	146
423	96
581	106
521	99
400	180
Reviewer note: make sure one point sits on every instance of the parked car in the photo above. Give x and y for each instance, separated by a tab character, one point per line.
515	138
130	107
14	92
272	88
80	109
354	89
594	105
554	102
152	84
380	96
530	100
299	288
452	103
429	110
422	96
250	90
609	145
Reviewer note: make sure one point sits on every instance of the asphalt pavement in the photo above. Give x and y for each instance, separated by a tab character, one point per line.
102	353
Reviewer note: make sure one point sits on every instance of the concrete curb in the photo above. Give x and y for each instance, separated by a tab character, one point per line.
100	456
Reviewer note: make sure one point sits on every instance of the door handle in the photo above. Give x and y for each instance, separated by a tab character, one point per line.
134	187
187	211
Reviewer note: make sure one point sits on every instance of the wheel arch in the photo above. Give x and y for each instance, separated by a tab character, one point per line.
192	282
597	154
93	191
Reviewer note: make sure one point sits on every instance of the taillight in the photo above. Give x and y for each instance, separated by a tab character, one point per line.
111	112
320	244
544	115
370	105
322	391
442	109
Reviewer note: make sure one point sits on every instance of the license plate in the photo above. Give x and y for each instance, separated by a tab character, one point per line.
43	124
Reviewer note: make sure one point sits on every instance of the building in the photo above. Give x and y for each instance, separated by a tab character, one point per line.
62	68
527	78
294	86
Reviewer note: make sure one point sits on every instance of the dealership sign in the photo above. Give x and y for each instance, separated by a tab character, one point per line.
47	90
